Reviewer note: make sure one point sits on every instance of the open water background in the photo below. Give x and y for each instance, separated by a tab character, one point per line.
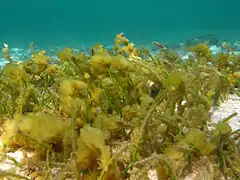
74	23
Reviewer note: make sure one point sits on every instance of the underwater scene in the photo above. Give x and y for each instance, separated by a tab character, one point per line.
120	90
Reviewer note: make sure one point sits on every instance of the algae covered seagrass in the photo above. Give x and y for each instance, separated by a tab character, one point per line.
115	114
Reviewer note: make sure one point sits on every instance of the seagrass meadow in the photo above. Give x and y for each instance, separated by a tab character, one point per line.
117	113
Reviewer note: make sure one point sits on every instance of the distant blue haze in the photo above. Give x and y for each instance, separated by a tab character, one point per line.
77	22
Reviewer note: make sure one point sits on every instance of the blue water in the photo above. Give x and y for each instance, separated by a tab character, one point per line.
73	23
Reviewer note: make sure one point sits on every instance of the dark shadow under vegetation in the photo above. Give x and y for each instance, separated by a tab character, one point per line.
116	114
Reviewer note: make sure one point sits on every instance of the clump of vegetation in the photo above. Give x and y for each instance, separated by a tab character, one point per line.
117	114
